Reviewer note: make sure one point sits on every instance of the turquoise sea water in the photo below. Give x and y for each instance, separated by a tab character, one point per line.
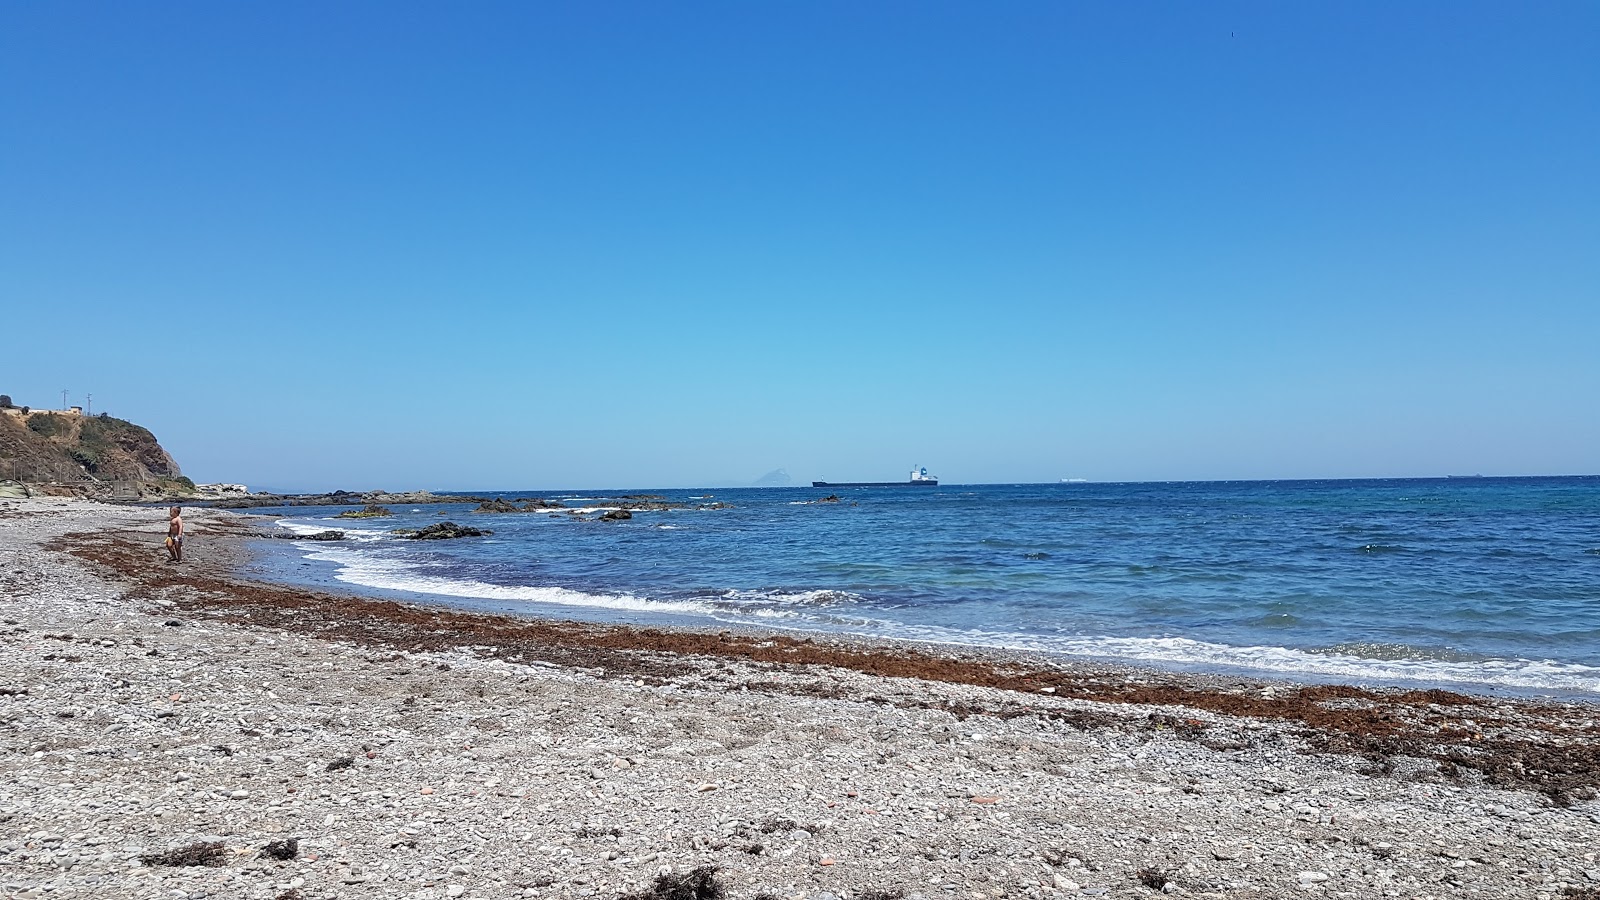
1477	581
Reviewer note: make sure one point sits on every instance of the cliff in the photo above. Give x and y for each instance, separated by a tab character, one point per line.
87	455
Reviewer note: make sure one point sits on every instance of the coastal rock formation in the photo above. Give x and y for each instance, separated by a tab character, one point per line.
441	531
342	498
329	535
68	453
497	506
412	498
616	515
220	491
370	511
529	504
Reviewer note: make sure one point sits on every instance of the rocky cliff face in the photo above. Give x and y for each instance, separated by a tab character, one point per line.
54	447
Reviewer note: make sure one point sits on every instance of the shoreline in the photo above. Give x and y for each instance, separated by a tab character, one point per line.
271	545
1223	786
1396	614
610	648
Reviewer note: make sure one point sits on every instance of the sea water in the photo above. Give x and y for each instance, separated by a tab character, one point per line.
1488	582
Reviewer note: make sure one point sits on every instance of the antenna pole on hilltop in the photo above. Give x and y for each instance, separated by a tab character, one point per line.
63	398
88	400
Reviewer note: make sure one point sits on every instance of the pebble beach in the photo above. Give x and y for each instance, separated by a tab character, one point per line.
180	732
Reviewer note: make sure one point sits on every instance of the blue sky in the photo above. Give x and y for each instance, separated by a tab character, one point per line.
519	245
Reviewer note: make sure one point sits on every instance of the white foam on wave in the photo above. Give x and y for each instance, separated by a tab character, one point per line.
360	535
369	570
1511	673
817	598
821	610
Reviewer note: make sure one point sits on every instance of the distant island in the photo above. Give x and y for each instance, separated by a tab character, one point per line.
775	478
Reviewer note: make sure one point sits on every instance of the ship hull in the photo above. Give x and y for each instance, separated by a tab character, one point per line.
925	482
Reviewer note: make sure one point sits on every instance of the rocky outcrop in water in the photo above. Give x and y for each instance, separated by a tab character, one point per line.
442	531
340	498
370	511
497	506
329	535
616	515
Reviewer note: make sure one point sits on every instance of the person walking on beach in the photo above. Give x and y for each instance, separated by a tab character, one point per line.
175	535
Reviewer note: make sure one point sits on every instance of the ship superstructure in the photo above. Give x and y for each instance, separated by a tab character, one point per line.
919	478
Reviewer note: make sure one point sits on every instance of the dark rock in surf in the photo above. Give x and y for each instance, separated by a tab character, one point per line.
317	536
616	515
442	531
496	506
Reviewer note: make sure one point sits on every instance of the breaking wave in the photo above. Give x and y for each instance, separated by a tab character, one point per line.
1416	667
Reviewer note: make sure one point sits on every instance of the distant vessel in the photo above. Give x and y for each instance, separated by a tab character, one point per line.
1074	481
1463	476
919	478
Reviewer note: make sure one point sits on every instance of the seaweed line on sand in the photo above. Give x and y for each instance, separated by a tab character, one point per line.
1515	745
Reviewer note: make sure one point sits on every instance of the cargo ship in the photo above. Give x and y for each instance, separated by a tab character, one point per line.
919	478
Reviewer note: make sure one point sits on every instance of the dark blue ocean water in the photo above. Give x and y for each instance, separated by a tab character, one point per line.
1481	581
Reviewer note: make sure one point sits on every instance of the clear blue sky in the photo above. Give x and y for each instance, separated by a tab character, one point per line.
641	244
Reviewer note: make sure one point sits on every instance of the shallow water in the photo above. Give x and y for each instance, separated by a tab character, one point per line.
1490	582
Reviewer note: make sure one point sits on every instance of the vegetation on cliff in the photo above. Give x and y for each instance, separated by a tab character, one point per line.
38	446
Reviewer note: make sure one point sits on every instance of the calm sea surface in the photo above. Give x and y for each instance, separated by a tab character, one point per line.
1481	581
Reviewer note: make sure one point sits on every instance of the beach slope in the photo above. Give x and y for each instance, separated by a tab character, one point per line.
390	751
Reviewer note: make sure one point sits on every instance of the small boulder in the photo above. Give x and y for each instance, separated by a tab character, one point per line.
616	515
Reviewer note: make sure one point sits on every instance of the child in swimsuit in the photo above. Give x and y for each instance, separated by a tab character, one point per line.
175	535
